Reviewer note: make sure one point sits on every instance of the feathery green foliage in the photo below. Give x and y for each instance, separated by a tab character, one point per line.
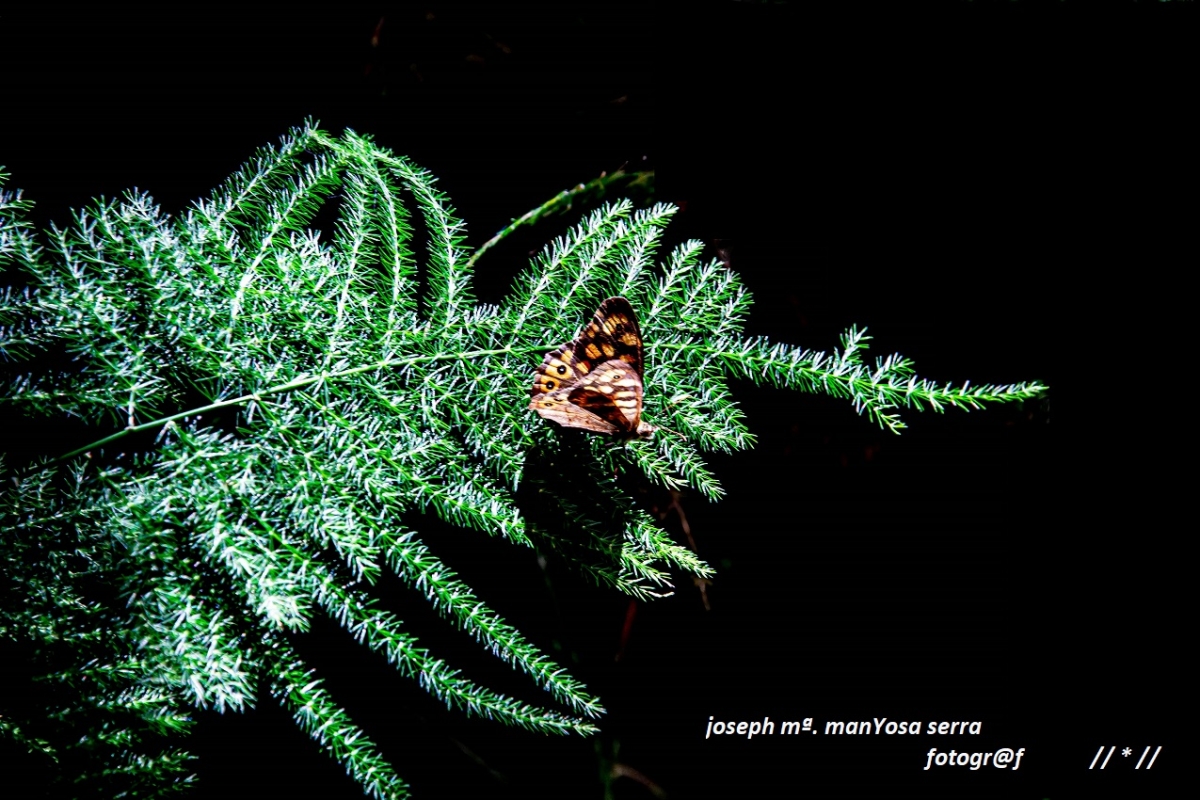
302	399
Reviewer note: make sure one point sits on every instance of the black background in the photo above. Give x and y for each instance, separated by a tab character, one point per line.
988	188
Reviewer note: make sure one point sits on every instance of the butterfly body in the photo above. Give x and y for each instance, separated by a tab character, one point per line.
595	381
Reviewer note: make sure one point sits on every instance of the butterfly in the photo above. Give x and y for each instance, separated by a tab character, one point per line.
595	381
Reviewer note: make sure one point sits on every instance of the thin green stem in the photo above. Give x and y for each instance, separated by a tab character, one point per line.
296	383
564	201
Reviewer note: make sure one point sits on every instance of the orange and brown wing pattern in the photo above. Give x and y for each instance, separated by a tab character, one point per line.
613	392
595	381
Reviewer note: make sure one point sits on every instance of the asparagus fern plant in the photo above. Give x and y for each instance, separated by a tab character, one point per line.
265	412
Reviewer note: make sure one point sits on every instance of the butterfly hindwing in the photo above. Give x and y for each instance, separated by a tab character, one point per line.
557	407
613	393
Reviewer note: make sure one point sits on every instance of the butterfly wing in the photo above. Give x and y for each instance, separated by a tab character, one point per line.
613	333
612	392
557	407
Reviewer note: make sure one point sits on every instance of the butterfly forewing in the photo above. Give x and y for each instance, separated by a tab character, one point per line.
595	381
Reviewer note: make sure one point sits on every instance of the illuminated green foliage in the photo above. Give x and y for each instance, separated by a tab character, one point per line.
305	398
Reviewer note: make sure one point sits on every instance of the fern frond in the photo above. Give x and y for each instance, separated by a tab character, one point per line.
303	397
